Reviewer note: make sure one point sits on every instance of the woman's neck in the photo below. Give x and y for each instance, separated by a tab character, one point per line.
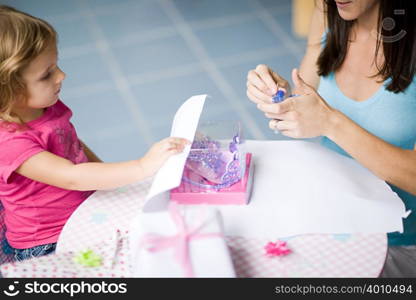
366	26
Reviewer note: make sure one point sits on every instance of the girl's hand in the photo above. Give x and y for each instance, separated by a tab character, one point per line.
153	160
263	83
304	116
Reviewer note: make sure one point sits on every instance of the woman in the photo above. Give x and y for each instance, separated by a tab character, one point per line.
356	88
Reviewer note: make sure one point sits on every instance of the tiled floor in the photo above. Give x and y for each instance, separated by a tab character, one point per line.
131	63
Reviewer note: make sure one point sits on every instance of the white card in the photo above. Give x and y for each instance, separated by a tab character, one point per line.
169	176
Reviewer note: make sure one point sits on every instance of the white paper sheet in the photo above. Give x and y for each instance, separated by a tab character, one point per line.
301	187
169	176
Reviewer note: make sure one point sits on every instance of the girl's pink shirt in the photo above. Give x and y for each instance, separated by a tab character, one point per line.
35	213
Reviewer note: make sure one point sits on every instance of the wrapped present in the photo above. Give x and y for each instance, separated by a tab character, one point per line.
106	259
185	241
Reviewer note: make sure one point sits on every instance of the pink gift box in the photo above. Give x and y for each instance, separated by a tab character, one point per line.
237	194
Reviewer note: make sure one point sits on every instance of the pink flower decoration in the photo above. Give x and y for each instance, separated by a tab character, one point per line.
277	249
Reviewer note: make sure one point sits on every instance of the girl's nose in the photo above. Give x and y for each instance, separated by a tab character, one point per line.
61	75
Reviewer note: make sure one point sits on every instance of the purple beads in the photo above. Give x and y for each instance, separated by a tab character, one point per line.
219	167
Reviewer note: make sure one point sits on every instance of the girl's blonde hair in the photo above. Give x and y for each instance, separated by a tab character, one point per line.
22	38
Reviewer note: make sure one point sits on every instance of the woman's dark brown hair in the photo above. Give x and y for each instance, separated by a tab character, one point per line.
397	36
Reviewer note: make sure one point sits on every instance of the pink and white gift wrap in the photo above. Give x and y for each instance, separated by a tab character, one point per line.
182	242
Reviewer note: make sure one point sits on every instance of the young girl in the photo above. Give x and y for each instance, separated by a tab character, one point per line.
358	91
46	172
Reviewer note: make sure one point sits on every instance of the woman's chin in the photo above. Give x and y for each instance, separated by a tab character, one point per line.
347	16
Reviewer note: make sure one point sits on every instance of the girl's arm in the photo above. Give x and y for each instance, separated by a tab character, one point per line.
390	163
92	157
54	170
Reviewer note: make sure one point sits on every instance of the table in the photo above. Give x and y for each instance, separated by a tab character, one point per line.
315	255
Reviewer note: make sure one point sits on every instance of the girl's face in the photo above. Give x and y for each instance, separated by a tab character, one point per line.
354	9
43	79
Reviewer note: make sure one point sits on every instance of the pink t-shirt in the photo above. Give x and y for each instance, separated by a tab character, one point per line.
35	213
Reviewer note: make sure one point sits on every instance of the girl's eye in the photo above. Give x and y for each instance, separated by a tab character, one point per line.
46	76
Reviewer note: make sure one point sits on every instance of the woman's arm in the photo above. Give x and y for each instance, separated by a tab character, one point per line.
309	115
92	157
308	68
390	163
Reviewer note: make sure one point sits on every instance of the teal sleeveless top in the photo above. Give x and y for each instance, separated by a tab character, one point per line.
389	116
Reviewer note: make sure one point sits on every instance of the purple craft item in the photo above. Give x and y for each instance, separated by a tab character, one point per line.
210	166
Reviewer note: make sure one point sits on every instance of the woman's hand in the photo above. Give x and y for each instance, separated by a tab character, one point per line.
263	83
160	152
304	116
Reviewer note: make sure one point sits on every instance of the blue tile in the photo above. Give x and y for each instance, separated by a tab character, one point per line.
153	56
204	9
302	44
174	92
126	145
102	119
94	4
237	75
160	100
72	33
105	124
44	9
100	112
285	20
237	38
219	109
272	4
84	69
162	130
132	20
284	65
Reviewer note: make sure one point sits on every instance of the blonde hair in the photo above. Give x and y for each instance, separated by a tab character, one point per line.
22	38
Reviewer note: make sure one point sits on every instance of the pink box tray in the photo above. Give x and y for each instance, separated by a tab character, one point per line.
238	193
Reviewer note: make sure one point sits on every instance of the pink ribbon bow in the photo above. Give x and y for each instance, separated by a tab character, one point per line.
180	241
